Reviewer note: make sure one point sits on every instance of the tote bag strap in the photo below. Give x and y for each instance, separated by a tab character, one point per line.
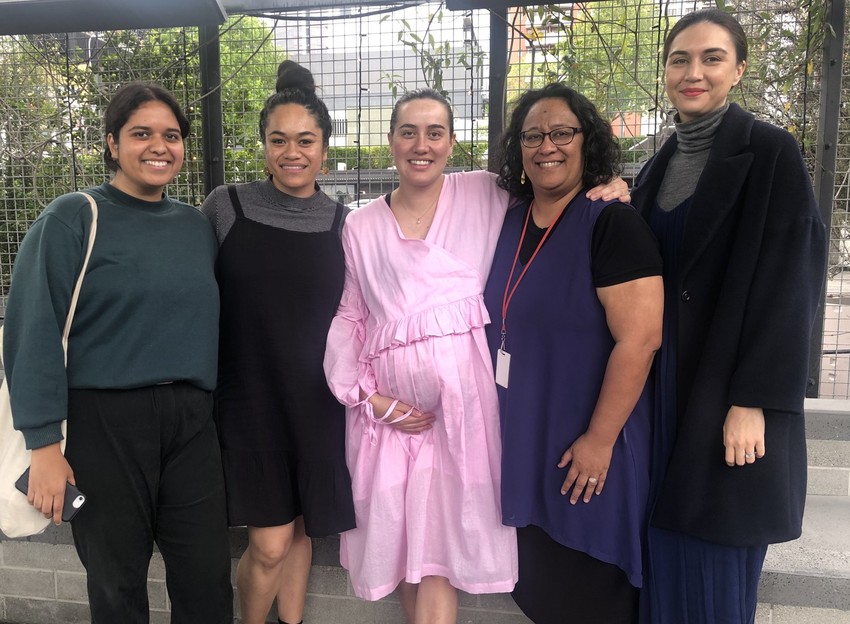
78	286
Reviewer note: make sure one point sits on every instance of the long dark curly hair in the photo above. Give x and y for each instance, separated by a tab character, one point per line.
600	150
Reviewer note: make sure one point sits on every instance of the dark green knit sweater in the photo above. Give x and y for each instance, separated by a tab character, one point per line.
147	314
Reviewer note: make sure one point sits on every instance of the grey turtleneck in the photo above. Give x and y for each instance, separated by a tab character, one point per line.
263	202
695	139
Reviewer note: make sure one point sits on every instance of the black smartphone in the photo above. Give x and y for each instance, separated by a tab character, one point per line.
74	499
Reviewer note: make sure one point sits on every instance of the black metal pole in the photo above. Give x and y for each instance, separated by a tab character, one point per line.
498	74
211	116
830	110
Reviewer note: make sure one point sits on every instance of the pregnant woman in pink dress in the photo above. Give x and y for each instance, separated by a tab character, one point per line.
411	327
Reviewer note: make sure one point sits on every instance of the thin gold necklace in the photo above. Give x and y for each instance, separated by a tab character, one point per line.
424	214
420	217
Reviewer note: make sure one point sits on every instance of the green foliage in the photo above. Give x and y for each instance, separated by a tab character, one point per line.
247	48
243	165
605	50
469	155
436	58
55	88
611	53
170	57
627	154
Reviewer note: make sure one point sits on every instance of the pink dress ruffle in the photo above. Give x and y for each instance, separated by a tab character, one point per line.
457	317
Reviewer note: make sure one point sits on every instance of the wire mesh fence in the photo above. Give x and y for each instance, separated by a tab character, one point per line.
835	353
53	89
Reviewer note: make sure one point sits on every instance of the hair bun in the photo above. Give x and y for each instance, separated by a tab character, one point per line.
291	75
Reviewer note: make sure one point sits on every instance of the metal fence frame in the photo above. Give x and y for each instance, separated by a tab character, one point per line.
205	91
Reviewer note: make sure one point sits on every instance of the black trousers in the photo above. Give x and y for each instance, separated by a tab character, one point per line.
149	463
559	585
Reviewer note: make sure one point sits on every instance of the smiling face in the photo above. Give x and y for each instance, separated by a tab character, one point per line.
701	69
553	170
421	142
149	151
294	149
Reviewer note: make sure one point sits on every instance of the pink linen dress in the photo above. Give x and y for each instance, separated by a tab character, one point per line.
411	326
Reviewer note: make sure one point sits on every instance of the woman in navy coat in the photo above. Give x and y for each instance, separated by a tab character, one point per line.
744	247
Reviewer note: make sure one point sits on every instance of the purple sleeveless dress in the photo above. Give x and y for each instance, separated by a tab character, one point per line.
559	343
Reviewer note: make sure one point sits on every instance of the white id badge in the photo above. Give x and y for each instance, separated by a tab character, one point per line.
503	367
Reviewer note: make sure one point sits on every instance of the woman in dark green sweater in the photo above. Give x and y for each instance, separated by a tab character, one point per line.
141	367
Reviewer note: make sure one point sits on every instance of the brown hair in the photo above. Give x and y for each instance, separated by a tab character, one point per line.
715	16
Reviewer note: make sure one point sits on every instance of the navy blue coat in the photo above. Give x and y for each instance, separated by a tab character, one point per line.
751	263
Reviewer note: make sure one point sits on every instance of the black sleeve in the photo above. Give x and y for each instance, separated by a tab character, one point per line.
623	248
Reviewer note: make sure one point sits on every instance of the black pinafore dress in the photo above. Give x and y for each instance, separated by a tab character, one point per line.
281	430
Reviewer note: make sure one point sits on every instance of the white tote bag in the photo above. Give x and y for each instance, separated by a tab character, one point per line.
17	517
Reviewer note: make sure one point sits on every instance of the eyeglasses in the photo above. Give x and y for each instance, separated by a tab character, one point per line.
561	136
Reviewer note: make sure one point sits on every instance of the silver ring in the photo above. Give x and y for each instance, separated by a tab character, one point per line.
593	480
748	455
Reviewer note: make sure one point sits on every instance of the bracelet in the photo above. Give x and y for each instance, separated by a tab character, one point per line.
388	413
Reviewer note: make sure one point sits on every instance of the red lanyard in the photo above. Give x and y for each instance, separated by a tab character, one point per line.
506	298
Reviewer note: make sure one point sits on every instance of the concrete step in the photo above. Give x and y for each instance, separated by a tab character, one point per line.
781	614
828	467
812	572
828	441
827	419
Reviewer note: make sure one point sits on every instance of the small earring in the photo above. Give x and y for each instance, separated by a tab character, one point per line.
325	170
522	177
267	171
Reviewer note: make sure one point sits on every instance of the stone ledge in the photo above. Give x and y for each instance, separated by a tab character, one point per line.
60	595
814	570
783	614
827	453
796	590
828	481
30	610
827	419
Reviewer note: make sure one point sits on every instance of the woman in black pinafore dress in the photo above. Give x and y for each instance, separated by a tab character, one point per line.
281	271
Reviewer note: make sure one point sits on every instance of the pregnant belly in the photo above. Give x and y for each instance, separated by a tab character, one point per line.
409	373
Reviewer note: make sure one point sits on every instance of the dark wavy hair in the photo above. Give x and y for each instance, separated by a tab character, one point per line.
422	94
295	85
125	102
600	150
715	16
